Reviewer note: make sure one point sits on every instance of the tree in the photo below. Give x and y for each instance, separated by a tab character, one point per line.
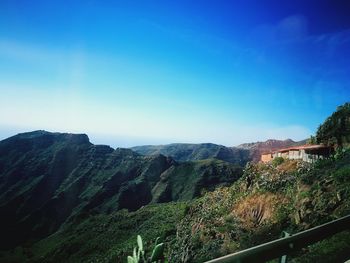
336	128
312	140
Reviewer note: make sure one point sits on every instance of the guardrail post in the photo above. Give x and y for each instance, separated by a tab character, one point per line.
283	259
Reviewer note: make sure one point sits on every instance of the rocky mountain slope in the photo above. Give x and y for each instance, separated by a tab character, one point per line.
46	178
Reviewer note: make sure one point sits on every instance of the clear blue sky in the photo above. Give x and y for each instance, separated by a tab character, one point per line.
151	72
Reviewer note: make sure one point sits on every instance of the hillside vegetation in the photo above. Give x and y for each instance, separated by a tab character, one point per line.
66	200
46	178
102	237
267	200
336	128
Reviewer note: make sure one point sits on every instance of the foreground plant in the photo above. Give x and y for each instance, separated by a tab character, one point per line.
139	252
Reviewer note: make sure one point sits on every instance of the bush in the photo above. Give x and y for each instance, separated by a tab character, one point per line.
342	175
277	161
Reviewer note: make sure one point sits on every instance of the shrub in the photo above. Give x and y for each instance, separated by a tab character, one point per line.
277	161
342	175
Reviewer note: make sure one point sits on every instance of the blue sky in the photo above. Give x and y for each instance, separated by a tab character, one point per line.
154	72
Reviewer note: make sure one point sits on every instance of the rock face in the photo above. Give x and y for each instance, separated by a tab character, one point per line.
183	152
257	148
45	178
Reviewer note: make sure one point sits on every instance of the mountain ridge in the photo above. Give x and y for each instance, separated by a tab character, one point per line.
240	154
65	199
45	178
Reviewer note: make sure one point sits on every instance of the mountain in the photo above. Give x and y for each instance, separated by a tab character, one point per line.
183	152
241	154
257	148
292	196
64	199
47	178
190	179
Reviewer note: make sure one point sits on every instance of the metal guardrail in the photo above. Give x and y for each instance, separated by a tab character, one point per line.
286	245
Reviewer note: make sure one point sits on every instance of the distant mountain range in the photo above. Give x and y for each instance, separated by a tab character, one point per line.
183	152
47	178
239	155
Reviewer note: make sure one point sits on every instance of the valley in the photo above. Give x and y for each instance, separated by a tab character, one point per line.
66	199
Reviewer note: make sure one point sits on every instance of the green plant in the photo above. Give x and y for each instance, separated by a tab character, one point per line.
277	161
341	152
312	140
139	253
342	175
336	128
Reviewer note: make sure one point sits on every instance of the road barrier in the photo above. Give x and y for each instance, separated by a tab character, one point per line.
286	245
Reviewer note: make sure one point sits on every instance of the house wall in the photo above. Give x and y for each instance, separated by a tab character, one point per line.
278	155
294	154
285	154
266	157
307	155
312	156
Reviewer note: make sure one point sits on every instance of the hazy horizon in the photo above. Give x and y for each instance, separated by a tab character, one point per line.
129	142
160	72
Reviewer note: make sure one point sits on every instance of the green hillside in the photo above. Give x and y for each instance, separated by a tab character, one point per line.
183	152
64	199
267	200
191	179
46	178
101	237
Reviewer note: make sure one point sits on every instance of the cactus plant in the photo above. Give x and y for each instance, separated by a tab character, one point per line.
139	253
